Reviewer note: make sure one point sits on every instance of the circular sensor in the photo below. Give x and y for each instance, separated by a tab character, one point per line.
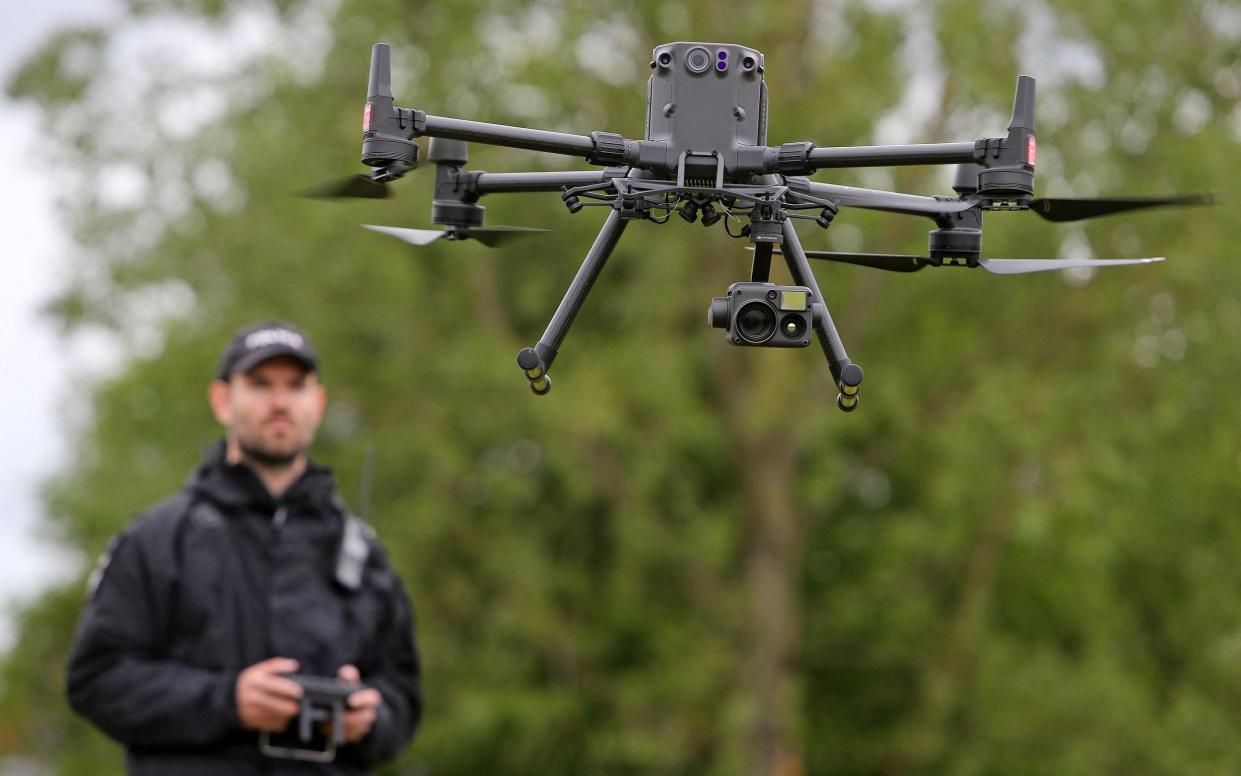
698	60
756	322
793	326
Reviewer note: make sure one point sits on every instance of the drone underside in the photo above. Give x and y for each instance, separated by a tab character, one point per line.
705	158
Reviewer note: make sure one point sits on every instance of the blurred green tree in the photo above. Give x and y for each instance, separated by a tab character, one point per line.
1016	557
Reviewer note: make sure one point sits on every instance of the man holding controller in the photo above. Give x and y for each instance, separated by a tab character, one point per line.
215	612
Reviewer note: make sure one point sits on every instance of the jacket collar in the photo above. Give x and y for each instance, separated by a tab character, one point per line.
239	486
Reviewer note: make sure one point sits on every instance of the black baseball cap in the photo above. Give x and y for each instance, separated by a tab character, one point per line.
256	343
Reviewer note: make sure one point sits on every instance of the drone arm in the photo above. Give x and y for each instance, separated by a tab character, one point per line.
1015	150
512	182
603	148
870	199
887	156
503	135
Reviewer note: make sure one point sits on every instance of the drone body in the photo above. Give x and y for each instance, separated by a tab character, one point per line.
705	155
705	101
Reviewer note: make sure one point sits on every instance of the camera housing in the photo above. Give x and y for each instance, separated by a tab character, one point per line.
766	315
707	99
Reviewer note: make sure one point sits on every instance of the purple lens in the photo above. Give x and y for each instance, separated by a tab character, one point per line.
723	55
721	65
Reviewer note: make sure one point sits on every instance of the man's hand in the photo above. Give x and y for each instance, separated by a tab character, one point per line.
361	707
265	699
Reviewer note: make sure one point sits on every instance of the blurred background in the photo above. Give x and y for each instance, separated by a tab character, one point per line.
1019	555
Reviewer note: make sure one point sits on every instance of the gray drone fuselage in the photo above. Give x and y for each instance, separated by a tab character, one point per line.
706	100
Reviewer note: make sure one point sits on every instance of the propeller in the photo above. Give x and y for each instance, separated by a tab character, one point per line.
373	185
491	236
892	262
364	186
898	262
1072	209
1024	266
1077	208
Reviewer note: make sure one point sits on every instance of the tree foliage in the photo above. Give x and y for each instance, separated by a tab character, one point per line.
1017	556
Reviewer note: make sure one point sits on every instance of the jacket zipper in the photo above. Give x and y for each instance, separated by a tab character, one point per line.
277	522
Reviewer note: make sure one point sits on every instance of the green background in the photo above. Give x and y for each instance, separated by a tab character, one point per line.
1019	555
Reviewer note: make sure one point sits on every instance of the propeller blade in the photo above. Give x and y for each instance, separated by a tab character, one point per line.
892	262
353	186
1070	209
1022	266
411	236
492	236
899	262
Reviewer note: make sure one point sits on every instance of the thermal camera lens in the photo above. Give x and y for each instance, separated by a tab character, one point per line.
793	326
756	322
698	60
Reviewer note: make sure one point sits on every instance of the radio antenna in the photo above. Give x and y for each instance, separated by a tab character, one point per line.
368	475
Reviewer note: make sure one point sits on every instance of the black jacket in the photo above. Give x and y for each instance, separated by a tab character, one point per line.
194	593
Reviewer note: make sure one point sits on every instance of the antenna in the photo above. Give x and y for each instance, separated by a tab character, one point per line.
380	84
368	476
1023	104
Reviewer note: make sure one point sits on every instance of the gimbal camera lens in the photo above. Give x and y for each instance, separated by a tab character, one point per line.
751	311
698	60
793	326
756	322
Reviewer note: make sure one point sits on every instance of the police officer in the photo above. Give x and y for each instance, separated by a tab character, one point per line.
254	570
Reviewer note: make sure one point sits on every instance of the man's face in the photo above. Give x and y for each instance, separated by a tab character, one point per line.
272	411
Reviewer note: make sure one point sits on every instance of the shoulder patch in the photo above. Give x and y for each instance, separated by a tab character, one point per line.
101	566
352	554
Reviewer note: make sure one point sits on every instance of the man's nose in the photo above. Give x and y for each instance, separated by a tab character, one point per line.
281	397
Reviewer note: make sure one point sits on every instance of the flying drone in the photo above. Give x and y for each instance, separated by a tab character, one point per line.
705	157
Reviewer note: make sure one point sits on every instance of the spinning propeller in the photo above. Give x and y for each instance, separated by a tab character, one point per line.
967	183
897	262
372	186
1071	209
958	240
455	206
387	148
489	236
